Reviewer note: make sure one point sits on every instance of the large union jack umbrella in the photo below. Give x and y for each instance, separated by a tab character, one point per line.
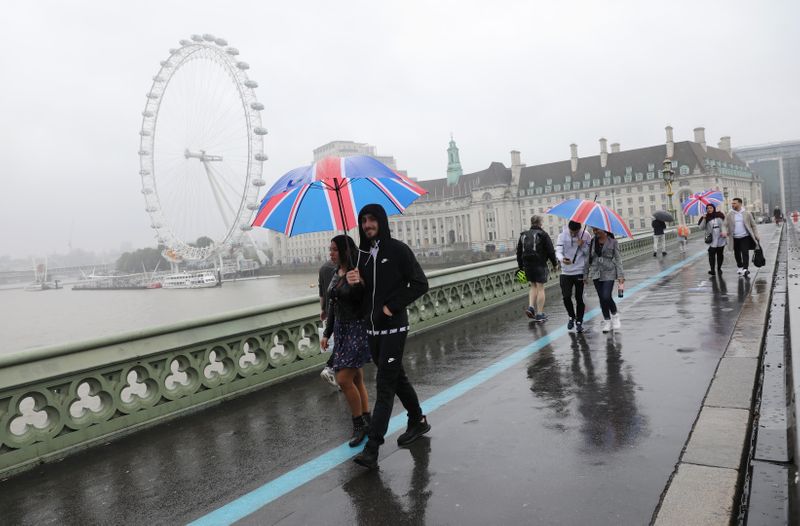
593	214
695	204
328	194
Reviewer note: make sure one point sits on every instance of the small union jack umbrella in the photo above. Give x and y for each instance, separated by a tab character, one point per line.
593	214
695	204
328	194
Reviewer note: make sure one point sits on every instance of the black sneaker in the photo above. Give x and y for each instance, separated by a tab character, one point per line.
655	254
367	458
579	326
663	253
712	273
719	270
360	430
414	431
570	324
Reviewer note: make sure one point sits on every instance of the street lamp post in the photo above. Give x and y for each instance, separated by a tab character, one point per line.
669	177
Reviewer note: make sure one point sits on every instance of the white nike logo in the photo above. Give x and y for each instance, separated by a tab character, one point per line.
390	360
384	260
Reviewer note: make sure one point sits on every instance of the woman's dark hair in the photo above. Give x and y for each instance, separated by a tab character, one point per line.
347	251
711	215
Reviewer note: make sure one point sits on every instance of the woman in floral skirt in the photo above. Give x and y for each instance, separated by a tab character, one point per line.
346	322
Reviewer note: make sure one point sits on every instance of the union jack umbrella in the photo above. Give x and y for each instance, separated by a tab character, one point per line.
328	194
593	214
695	204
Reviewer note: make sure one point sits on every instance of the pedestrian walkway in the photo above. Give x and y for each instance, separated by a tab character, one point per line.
531	424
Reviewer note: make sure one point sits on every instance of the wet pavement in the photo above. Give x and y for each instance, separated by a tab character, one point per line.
586	429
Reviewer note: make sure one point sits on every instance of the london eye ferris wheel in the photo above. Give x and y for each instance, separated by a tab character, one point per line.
201	150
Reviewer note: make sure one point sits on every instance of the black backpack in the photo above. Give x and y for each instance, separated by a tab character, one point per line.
530	243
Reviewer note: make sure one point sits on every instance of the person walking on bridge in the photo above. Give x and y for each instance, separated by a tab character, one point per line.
713	224
346	323
534	249
603	267
392	280
326	272
572	247
659	237
742	227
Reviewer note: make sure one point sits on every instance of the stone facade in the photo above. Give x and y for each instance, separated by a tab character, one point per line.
487	210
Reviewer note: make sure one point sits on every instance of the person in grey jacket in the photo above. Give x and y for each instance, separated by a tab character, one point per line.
572	247
742	227
713	224
603	267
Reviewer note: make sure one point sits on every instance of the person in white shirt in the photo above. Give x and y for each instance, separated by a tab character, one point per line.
572	247
742	228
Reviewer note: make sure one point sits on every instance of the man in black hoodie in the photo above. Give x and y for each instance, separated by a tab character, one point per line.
392	279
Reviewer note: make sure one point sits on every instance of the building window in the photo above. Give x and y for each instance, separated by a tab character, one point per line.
639	176
608	173
617	179
684	170
587	176
641	199
650	176
568	178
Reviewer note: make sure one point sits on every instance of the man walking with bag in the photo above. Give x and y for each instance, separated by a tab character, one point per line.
534	249
392	280
742	228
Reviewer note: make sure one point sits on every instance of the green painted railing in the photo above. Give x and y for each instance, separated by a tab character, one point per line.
60	399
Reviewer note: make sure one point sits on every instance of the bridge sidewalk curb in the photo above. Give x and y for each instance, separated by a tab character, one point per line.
703	488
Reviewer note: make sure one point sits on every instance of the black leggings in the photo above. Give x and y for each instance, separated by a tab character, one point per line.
604	290
716	253
567	284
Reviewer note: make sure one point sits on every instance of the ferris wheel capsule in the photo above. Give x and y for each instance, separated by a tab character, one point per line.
221	42
184	42
251	84
232	51
209	37
258	130
261	157
197	38
243	65
259	182
257	106
165	64
252	206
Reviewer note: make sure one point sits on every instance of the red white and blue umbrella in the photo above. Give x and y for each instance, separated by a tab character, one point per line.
593	214
695	204
328	194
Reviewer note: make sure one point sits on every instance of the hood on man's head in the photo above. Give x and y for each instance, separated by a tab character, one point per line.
378	213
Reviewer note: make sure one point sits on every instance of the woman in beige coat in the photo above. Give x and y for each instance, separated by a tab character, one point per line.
742	228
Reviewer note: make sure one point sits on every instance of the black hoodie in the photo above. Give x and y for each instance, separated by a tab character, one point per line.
392	275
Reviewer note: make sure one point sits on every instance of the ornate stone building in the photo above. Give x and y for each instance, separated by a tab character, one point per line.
489	208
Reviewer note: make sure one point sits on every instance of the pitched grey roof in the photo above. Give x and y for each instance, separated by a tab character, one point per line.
495	174
686	153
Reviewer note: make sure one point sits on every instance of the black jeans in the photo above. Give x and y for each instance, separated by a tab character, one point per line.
716	254
604	290
387	355
741	250
567	284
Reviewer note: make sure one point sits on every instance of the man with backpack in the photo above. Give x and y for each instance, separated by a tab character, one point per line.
534	250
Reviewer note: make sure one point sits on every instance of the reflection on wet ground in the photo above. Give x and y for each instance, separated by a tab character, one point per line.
587	429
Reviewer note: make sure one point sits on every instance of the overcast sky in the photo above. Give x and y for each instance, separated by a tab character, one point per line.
501	75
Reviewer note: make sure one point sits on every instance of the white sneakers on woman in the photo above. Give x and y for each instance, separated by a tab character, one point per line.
613	323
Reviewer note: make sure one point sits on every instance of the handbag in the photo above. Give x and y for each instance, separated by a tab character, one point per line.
709	238
758	257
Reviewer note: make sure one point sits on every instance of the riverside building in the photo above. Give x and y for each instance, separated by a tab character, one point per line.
487	210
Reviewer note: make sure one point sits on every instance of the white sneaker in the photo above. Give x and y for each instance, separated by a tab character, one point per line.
329	376
605	325
739	270
615	323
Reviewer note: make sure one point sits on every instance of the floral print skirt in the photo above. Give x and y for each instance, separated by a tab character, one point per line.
350	344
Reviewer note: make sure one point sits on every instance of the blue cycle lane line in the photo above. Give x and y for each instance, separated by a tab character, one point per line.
278	487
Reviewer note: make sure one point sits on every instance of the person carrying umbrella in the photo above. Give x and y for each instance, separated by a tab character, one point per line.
534	249
346	324
713	223
659	237
572	247
392	280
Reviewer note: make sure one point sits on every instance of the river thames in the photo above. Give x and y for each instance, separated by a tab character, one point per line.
36	319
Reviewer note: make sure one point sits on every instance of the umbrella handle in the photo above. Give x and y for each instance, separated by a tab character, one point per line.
582	232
